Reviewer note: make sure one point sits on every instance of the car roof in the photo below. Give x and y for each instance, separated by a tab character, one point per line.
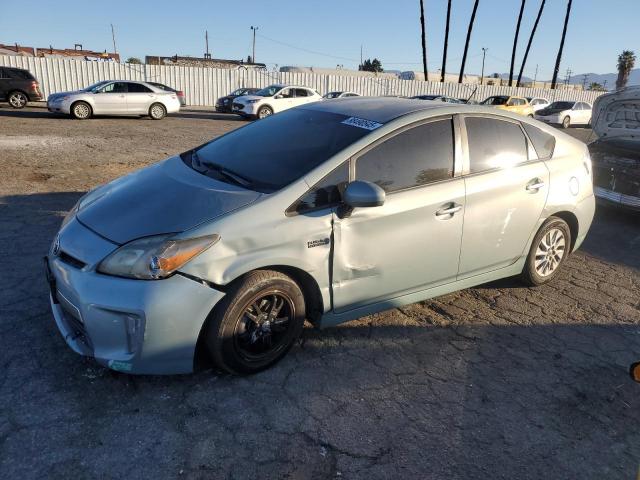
377	109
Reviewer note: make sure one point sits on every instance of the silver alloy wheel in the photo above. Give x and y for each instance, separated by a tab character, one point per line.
81	110
264	112
157	111
18	100
550	252
566	122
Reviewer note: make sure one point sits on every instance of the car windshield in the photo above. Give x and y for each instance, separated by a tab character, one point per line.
269	91
496	101
562	105
95	87
269	154
332	95
238	92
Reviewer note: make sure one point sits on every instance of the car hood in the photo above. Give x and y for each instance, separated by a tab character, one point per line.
550	111
617	114
62	94
168	197
244	98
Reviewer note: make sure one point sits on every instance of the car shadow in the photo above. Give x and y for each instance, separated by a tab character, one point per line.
30	112
205	115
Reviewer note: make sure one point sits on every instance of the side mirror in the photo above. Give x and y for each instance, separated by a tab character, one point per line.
363	194
634	371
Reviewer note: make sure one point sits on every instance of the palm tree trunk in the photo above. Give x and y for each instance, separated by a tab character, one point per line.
515	43
466	43
526	52
564	34
446	43
424	42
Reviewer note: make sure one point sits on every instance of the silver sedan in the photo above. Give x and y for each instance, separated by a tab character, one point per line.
115	97
325	212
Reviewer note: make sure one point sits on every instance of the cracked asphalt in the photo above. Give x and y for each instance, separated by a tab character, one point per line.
498	381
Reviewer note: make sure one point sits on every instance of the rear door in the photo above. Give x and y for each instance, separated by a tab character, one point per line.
111	99
4	83
302	96
412	242
506	191
139	98
283	100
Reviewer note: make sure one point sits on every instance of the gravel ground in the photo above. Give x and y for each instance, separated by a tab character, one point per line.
497	381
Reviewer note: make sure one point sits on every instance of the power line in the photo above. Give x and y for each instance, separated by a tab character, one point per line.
307	50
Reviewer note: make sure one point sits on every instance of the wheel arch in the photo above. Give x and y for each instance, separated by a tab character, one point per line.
81	100
572	221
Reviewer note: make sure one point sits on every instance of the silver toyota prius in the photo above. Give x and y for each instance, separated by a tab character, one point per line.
326	213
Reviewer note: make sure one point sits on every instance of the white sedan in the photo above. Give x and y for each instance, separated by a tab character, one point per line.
330	95
538	103
565	114
115	97
273	99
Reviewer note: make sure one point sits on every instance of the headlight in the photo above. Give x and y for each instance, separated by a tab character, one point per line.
252	101
152	258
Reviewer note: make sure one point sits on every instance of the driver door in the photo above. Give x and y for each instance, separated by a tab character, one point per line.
111	99
283	100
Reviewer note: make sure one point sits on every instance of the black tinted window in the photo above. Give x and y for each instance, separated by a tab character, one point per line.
301	92
18	74
415	157
281	148
494	144
543	143
327	192
138	88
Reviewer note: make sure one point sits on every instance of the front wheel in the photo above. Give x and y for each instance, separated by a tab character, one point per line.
549	250
566	122
81	110
18	100
256	323
157	111
265	112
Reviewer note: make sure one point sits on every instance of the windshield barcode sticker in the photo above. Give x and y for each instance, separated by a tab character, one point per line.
362	123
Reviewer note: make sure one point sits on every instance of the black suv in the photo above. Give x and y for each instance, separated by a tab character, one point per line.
18	86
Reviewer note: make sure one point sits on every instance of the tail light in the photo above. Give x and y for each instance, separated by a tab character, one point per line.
180	93
35	85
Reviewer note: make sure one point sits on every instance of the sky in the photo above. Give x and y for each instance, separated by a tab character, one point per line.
330	32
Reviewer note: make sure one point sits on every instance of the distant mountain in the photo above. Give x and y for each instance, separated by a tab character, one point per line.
576	79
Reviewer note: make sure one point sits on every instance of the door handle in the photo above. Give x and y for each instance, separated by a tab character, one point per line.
449	211
534	187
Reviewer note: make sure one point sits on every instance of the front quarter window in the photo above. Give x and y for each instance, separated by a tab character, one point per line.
326	193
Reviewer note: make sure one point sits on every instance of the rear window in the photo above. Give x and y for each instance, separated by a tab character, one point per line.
273	152
494	144
543	142
17	74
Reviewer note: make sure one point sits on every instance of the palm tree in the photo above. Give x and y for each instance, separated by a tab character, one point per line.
564	34
466	43
446	43
515	43
626	62
526	52
424	42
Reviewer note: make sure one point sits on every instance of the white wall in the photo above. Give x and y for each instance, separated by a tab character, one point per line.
202	86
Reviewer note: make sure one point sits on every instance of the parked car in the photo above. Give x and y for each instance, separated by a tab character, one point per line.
18	86
225	104
538	103
616	152
437	98
115	97
331	95
273	99
179	93
317	213
565	114
518	105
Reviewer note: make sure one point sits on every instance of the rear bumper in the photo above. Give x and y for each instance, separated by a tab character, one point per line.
584	211
133	326
608	197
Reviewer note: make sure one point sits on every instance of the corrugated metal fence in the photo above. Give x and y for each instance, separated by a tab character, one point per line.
203	86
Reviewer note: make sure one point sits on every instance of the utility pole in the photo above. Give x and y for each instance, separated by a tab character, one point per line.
484	53
253	56
584	80
206	42
567	76
535	77
559	57
424	42
113	37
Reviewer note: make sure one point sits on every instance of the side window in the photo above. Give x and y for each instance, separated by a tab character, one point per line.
138	88
326	193
494	144
119	87
414	157
287	93
108	88
301	92
3	73
543	143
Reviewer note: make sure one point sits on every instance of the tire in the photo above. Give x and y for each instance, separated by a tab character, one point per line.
157	111
241	337
264	112
566	122
81	110
549	249
17	99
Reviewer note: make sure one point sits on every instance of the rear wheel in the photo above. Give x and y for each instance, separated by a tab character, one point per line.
264	112
18	99
549	250
566	122
157	111
257	322
81	110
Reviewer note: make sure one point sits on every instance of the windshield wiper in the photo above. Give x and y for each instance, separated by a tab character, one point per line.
207	167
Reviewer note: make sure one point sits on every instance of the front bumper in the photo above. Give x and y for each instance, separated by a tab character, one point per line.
553	119
133	326
60	106
249	109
